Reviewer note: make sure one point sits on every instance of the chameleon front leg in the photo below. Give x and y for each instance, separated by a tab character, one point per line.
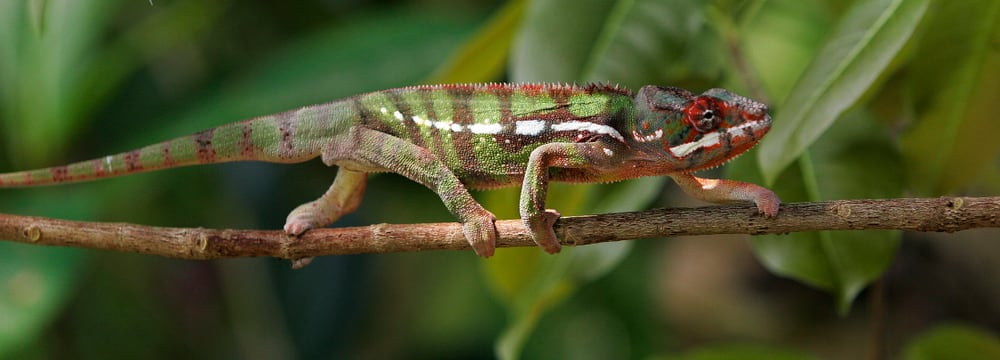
343	197
725	191
534	187
372	150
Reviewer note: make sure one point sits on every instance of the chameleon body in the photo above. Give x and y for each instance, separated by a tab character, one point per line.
451	138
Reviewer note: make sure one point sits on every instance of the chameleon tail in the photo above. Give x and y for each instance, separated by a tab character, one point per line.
288	137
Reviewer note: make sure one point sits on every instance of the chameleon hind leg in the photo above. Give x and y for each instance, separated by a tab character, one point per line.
373	151
341	198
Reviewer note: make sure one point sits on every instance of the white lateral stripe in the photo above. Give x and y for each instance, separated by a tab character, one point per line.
529	127
485	128
683	150
588	126
709	140
440	125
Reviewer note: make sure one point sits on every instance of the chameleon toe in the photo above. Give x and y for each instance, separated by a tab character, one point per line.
482	236
542	232
296	229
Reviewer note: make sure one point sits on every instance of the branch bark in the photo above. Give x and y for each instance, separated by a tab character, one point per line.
945	214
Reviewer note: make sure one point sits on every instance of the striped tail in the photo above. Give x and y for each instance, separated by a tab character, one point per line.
288	137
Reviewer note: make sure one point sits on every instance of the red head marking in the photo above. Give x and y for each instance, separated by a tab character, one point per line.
705	113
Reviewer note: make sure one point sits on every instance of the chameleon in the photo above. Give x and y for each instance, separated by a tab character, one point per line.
457	137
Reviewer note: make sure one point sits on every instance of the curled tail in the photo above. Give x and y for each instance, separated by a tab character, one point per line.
288	137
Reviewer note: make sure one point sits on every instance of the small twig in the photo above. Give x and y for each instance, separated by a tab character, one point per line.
946	214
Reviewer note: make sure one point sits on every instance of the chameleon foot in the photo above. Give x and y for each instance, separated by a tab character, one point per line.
481	232
306	217
542	231
767	202
297	224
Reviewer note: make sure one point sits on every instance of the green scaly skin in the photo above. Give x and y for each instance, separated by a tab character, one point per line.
454	137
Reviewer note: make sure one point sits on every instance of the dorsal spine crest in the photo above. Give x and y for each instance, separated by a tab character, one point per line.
530	88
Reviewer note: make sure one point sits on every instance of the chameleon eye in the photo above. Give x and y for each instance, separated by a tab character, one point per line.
708	115
703	116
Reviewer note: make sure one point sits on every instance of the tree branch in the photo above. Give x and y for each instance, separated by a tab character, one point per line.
945	214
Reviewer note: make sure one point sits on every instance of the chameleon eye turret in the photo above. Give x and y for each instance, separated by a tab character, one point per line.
704	113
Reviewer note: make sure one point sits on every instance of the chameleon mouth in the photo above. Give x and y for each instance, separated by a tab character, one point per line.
751	131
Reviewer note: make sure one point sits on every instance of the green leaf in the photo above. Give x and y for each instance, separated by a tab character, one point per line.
484	57
856	159
954	341
866	40
955	87
779	45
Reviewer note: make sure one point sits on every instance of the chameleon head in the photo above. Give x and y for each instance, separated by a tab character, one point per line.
698	131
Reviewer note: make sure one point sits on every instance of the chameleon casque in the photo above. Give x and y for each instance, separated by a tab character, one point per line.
451	138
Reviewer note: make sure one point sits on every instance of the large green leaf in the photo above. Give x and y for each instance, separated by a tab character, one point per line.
954	92
860	49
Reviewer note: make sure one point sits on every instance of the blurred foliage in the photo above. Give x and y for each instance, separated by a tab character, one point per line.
870	99
952	341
